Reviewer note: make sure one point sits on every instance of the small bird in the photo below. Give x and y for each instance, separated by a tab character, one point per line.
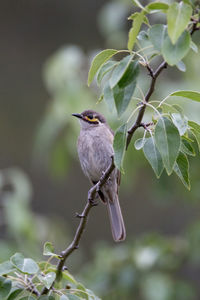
95	150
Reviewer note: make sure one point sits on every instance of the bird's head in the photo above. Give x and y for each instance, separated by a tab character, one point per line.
90	118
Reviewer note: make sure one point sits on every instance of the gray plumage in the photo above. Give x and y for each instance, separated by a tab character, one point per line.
95	148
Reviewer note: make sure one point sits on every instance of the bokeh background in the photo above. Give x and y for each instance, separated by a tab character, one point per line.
45	53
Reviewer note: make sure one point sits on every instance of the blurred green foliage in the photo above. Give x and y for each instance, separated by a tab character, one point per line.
24	230
151	268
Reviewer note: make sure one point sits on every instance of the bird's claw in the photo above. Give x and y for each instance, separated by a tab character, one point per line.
93	202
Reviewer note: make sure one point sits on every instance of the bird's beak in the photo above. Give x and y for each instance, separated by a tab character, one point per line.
78	116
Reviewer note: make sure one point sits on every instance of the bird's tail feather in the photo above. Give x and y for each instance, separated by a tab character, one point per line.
116	220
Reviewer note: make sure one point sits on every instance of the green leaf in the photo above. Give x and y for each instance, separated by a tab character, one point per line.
193	46
139	144
195	128
120	70
6	267
73	297
66	275
153	156
29	297
14	295
123	97
137	23
181	168
180	122
130	75
174	53
125	88
48	250
82	292
157	6
195	96
25	265
137	3
108	66
47	279
168	142
178	17
45	297
119	145
5	287
98	61
187	148
143	36
157	35
181	66
64	297
108	96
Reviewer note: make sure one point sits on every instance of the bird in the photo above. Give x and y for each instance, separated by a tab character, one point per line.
95	151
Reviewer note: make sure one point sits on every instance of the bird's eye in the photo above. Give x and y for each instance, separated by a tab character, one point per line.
90	117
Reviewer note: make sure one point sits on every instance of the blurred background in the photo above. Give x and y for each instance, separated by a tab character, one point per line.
46	50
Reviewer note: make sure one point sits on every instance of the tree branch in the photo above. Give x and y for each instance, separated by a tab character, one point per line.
137	124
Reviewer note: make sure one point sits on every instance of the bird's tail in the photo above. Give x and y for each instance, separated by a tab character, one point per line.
116	220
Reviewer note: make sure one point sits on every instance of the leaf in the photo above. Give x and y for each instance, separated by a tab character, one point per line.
139	144
64	297
123	97
120	70
181	168
48	250
108	96
157	35
82	291
133	32
6	267
168	142
178	17
33	298
153	156
193	46
25	265
108	66
157	6
130	75
181	66
73	297
119	145
66	275
137	3
174	53
5	287
180	122
143	36
195	128
195	96
47	279
125	88
45	297
187	148
98	61
14	294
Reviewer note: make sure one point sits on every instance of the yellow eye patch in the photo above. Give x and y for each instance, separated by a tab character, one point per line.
92	120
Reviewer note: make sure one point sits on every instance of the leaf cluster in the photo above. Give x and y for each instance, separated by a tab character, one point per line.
23	278
169	138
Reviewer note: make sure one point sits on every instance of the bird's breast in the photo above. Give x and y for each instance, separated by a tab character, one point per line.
95	150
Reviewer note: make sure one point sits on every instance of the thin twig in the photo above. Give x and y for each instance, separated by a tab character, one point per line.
32	288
